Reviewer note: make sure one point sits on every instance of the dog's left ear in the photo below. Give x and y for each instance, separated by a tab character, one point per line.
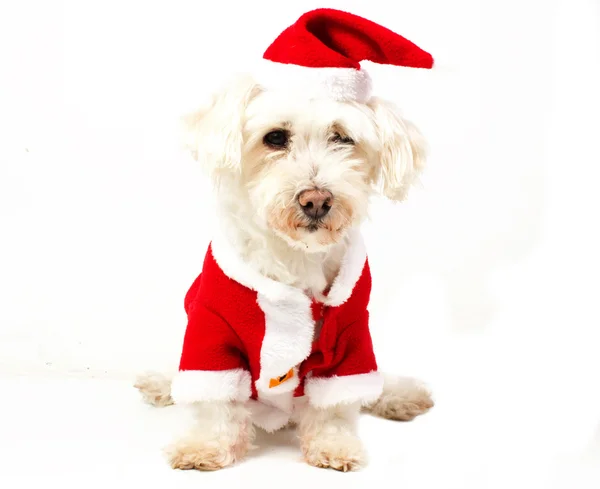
214	134
402	150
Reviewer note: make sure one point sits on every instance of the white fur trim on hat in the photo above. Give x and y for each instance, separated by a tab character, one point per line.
329	391
190	386
341	84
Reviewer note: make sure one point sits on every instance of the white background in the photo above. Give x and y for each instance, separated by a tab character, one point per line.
485	282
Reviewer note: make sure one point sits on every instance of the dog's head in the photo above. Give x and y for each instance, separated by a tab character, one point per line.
304	169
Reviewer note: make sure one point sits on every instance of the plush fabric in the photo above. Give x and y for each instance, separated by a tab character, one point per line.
262	332
320	54
207	385
328	38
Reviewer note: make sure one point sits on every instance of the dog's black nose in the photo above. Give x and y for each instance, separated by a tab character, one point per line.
315	203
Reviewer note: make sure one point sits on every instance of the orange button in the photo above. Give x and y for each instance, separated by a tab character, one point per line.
280	380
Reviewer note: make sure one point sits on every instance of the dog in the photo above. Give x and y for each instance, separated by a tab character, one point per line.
293	178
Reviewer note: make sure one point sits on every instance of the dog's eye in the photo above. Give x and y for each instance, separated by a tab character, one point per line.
277	139
338	138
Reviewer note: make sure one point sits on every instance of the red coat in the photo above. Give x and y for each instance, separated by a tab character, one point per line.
251	338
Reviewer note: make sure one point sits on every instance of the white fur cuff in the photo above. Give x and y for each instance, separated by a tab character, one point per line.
329	391
227	385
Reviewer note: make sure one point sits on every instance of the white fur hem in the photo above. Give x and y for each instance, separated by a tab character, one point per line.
190	386
237	269
341	84
328	391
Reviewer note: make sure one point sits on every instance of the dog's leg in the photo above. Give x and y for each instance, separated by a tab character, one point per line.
403	399
155	389
328	437
221	435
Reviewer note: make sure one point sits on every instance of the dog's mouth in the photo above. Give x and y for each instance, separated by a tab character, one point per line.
314	226
313	234
302	231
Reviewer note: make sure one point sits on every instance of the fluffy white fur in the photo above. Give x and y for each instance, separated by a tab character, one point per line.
220	435
352	149
328	437
403	398
271	415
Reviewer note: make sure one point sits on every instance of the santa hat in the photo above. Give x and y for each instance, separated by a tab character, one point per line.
320	54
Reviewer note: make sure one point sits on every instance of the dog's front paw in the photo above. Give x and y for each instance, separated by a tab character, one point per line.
403	399
191	453
336	451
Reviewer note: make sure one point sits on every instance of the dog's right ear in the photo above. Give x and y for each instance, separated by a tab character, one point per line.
214	134
402	153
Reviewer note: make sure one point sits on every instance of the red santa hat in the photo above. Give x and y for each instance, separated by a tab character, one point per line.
320	55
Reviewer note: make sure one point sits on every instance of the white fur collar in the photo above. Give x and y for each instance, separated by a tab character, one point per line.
236	268
350	271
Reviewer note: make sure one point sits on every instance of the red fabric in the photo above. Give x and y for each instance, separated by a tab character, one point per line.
328	38
226	328
212	304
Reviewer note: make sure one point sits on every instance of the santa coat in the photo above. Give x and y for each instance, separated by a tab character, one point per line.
255	340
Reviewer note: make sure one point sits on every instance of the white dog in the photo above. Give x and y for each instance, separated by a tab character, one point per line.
293	178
